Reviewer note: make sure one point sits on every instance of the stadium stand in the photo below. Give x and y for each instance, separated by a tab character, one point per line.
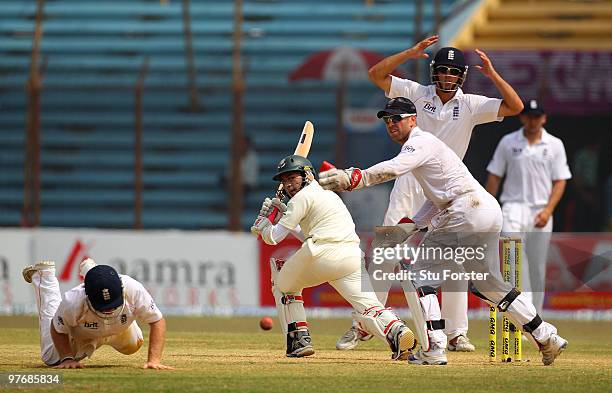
92	52
542	24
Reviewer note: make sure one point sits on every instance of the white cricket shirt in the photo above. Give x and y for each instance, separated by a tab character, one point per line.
439	171
74	317
452	122
529	169
321	214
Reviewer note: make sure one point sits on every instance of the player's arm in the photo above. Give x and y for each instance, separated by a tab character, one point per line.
354	178
555	196
493	182
61	342
157	338
511	104
380	73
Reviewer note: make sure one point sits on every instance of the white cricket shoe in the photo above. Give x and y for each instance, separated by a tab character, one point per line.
435	356
460	344
351	338
552	348
85	266
28	271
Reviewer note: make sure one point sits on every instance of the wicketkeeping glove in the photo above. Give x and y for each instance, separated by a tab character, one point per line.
341	179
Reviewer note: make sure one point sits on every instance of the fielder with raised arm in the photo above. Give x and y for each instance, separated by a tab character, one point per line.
330	253
468	217
451	115
101	311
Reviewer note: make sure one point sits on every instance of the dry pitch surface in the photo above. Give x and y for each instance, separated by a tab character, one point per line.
233	354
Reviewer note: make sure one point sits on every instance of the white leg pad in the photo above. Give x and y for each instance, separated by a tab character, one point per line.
290	306
377	321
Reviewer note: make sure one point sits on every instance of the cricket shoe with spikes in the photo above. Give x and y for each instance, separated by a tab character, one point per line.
460	344
552	348
402	342
351	338
28	271
435	356
299	344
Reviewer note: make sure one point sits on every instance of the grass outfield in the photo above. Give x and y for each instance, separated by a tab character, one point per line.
233	354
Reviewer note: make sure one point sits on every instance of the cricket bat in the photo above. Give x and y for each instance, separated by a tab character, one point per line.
302	149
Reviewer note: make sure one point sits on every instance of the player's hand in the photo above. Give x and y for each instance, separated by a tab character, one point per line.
339	180
156	366
487	67
542	218
266	207
69	363
259	225
418	50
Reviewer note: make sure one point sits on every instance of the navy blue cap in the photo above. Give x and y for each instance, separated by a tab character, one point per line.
398	106
533	107
449	56
103	288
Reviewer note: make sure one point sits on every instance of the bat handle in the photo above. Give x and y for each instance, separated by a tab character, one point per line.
273	214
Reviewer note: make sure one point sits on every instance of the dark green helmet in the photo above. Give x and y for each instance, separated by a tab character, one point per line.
293	163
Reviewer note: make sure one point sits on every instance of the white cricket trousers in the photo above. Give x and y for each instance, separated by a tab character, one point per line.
519	220
406	199
474	220
339	264
48	299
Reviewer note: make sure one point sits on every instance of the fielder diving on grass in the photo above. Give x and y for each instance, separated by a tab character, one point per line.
469	217
330	253
101	311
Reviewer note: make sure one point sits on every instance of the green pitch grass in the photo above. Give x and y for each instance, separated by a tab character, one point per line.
234	355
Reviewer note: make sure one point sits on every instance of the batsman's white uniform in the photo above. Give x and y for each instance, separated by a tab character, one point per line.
452	123
71	315
530	171
468	214
330	253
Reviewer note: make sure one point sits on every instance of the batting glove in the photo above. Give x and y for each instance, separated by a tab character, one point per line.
341	179
259	225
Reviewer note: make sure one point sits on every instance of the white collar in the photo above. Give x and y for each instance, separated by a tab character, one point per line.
544	139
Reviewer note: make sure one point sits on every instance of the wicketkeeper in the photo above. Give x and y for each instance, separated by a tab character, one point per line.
469	218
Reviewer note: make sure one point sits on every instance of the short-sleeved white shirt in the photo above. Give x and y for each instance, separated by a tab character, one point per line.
74	317
321	214
439	171
452	122
529	169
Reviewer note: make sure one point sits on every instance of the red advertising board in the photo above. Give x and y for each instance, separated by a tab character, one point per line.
579	275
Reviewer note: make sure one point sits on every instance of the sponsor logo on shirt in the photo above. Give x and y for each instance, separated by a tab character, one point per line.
91	325
408	149
516	151
429	107
544	153
456	113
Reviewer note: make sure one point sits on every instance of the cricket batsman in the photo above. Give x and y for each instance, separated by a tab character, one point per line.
101	311
469	218
330	253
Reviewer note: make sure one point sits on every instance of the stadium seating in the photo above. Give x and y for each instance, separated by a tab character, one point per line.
545	24
92	52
